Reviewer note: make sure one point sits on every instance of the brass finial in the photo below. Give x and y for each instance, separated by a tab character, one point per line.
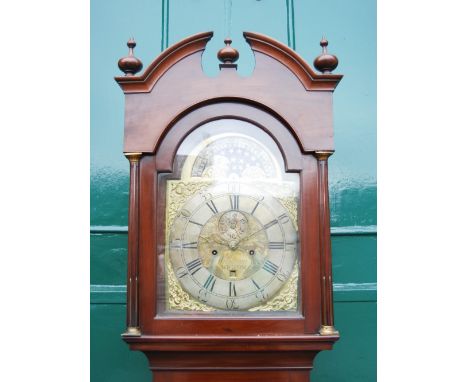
325	62
130	64
228	55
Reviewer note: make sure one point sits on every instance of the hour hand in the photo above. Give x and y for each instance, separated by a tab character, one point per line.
214	239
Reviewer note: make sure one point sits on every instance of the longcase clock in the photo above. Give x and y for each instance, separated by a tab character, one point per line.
229	261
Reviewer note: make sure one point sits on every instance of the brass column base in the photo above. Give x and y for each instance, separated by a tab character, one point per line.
132	331
328	330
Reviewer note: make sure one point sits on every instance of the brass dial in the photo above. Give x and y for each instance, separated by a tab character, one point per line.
233	250
233	245
232	242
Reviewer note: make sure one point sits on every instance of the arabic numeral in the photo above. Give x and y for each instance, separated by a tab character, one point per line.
203	295
205	195
262	295
231	304
281	276
185	213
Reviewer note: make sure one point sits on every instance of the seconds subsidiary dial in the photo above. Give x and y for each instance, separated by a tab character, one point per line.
232	246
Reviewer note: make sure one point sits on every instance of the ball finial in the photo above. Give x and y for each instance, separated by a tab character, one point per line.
325	62
228	55
130	64
324	43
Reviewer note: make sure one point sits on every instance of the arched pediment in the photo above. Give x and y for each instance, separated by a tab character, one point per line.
281	81
165	61
291	60
259	44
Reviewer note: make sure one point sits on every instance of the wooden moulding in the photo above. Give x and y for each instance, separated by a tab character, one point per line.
168	58
294	62
236	366
232	343
174	84
259	43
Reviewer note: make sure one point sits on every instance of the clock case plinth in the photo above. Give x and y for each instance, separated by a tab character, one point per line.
293	104
231	358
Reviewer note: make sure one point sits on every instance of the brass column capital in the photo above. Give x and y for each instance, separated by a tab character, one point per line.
133	157
323	154
328	330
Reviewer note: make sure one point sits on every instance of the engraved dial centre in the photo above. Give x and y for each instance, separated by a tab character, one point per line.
238	240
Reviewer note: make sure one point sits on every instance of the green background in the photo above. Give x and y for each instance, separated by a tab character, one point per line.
350	27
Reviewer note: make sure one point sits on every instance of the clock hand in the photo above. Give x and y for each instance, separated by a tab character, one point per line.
248	237
214	240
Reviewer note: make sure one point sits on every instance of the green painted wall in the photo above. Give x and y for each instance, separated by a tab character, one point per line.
350	26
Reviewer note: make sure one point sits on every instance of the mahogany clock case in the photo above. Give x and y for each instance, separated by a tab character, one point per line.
230	211
291	103
162	162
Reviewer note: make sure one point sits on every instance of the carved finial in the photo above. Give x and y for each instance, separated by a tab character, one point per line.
130	64
228	55
325	62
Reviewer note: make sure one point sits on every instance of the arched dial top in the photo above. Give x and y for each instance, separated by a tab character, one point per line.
232	228
231	156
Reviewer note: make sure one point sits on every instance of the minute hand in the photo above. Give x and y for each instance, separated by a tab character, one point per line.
248	237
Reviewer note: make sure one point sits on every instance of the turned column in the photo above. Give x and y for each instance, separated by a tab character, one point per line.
133	326
328	327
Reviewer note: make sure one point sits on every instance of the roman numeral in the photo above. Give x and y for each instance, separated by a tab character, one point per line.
234	188
255	208
212	207
290	246
283	218
194	265
192	245
181	272
256	285
276	245
270	267
210	283
234	199
270	224
232	289
191	221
